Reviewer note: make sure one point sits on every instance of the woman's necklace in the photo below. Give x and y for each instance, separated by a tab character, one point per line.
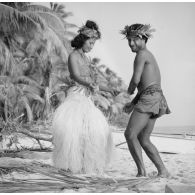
85	58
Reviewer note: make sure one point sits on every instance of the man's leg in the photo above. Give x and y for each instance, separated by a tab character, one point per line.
150	149
137	123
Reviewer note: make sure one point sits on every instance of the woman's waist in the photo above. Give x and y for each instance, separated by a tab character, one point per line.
78	88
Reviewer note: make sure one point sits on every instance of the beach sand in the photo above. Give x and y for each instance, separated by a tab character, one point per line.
181	166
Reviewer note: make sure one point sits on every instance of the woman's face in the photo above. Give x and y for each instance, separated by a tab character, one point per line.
88	45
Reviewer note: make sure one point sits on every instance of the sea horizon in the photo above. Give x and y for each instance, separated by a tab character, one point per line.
182	129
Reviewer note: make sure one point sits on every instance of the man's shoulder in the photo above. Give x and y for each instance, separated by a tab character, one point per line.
144	54
141	55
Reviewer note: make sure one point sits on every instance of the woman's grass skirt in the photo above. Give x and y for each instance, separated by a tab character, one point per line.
81	135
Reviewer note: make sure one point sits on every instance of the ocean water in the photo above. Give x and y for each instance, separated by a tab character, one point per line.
175	130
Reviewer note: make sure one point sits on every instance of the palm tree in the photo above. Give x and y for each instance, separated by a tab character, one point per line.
32	35
110	105
59	9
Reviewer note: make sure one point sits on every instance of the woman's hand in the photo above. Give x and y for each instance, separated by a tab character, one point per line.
94	87
114	92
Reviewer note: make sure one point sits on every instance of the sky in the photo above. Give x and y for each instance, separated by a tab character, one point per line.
173	45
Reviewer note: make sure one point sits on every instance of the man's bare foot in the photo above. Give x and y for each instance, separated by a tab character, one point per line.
141	173
164	174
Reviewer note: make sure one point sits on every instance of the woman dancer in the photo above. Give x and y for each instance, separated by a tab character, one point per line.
81	135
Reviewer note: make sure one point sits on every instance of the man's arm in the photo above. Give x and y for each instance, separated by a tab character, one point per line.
137	72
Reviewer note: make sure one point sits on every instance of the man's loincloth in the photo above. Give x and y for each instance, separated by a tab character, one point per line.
151	100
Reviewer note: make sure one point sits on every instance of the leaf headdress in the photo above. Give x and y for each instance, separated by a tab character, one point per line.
91	33
140	31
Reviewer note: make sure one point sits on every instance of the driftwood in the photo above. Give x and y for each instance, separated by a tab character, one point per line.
36	136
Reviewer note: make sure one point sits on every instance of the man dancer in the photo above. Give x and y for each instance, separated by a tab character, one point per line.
149	103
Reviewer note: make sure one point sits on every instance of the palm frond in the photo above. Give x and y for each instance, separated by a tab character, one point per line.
11	18
34	96
57	180
30	89
7	61
26	104
33	46
53	6
35	17
67	14
52	21
69	34
2	97
28	81
52	36
60	8
35	8
69	25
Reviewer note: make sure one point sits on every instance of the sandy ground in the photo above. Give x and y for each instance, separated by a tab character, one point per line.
179	162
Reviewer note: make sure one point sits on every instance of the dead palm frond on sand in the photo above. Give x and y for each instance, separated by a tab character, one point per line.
51	179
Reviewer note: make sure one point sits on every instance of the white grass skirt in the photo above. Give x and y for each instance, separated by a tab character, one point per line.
82	138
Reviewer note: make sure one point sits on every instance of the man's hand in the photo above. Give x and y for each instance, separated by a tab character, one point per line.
131	88
128	108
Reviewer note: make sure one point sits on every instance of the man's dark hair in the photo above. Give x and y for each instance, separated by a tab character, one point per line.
137	26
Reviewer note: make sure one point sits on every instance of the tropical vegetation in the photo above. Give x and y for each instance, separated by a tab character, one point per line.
34	77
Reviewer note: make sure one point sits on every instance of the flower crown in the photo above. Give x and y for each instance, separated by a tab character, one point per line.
91	33
141	31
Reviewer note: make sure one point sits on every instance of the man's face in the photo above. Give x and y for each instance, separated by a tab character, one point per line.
135	43
88	45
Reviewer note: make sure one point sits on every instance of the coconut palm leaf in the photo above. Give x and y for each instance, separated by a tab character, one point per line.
69	34
33	46
55	180
2	97
30	89
35	17
18	54
51	36
35	97
52	21
60	10
35	8
7	60
28	81
16	19
26	104
4	79
67	14
69	25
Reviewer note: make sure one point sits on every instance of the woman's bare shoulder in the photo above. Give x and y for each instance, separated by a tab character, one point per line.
73	57
73	54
